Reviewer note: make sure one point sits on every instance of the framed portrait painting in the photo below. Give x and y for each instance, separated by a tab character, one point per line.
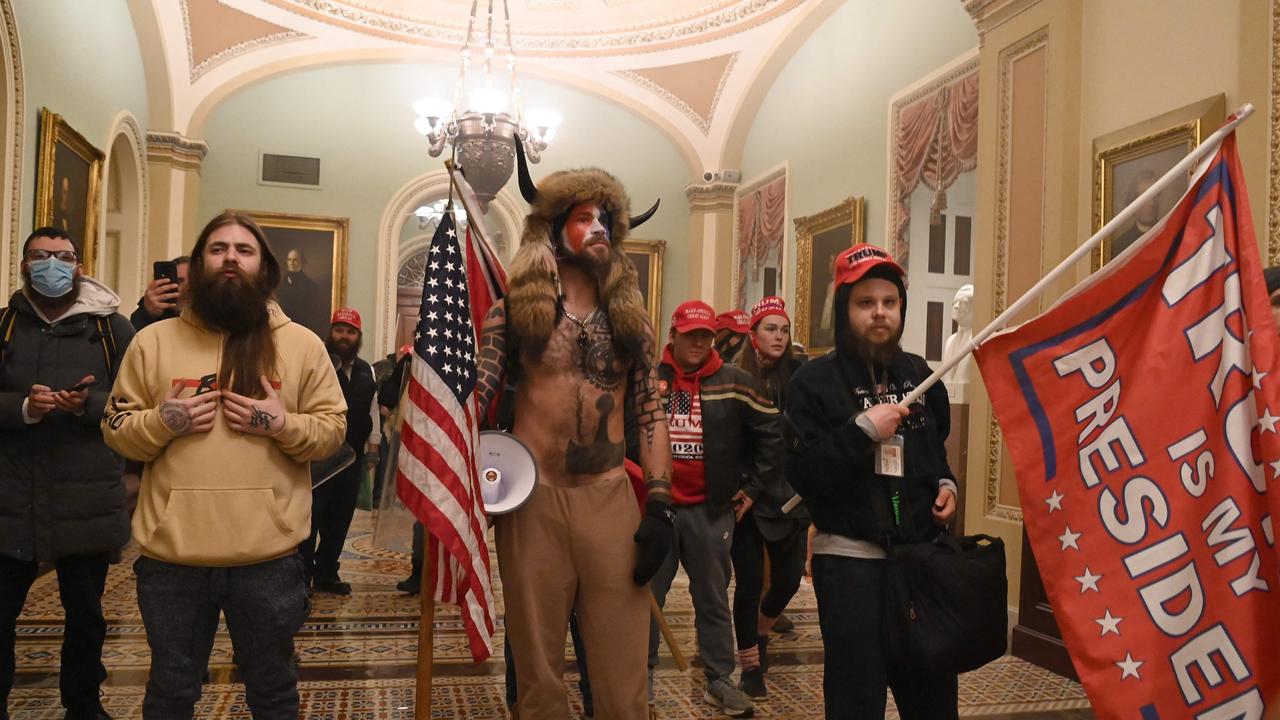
312	251
1128	161
68	184
819	239
646	256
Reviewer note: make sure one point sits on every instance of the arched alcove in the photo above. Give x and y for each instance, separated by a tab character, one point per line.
395	246
122	263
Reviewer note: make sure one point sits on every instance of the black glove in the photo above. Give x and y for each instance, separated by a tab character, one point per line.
654	539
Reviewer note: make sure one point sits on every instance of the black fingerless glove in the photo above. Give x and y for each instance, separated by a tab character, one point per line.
654	539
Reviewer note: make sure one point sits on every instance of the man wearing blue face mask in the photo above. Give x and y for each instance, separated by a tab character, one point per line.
61	497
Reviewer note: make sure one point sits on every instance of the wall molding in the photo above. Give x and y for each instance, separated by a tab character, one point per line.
1037	40
126	125
176	149
15	119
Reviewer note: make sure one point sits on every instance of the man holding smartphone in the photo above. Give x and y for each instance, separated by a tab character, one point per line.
62	500
163	297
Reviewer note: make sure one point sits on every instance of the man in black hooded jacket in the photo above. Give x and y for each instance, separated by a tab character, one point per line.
871	472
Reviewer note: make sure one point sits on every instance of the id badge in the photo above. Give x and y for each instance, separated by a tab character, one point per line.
889	457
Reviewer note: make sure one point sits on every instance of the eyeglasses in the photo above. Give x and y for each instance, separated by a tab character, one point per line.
63	255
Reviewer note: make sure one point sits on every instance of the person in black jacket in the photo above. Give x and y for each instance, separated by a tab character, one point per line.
333	504
61	497
719	422
871	472
763	528
162	299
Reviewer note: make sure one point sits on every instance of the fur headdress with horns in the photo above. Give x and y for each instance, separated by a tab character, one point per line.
533	299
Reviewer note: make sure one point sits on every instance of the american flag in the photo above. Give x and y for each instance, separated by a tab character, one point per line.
437	476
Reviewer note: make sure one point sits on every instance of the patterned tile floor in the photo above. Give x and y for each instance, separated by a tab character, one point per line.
358	654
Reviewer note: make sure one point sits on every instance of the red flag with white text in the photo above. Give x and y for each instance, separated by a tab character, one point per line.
1141	414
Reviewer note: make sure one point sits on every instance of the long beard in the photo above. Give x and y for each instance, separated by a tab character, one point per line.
234	307
345	353
52	307
879	355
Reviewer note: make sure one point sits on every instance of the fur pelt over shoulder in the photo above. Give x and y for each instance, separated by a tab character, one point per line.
533	293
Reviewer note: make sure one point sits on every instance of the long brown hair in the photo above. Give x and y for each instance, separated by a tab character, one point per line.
773	378
249	352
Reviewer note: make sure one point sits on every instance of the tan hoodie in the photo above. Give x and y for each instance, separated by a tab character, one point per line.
222	498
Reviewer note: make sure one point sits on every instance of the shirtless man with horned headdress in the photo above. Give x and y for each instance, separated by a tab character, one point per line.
574	334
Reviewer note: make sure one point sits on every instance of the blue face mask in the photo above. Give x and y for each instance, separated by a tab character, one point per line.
51	277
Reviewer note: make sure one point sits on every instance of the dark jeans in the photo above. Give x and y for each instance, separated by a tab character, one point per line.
333	504
419	544
265	605
81	579
580	655
786	566
855	675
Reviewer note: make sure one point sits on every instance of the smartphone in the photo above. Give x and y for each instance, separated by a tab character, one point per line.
165	269
79	387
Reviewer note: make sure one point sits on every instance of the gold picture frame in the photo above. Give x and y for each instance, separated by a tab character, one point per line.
822	236
309	236
69	184
1127	160
646	256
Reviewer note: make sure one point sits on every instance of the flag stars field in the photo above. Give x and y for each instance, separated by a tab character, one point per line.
1268	421
1068	539
1129	667
1109	623
1088	581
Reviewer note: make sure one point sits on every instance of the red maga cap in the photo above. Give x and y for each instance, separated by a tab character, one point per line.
734	320
853	263
693	315
769	305
348	316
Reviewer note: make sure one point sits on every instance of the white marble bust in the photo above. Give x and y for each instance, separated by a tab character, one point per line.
957	378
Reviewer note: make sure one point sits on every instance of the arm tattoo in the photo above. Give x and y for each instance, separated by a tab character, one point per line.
260	419
649	414
493	356
658	487
175	416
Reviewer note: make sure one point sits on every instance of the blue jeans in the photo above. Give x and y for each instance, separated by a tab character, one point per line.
265	605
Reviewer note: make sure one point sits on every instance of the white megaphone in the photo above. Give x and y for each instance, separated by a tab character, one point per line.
508	472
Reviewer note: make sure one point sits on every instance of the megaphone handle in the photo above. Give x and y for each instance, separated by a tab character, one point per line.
665	629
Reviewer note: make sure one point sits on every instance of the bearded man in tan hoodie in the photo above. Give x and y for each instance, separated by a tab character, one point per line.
226	405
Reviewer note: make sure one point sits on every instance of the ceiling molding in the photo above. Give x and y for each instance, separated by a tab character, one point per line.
694	88
216	33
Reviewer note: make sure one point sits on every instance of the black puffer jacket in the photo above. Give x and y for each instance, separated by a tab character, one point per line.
60	487
829	458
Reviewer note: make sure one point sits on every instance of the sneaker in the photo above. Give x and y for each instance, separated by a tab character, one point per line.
752	683
783	625
411	585
728	698
332	585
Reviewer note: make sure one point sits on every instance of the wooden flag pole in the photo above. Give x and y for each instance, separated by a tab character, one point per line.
426	639
666	634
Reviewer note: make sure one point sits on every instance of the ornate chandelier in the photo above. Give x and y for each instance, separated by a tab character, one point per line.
483	133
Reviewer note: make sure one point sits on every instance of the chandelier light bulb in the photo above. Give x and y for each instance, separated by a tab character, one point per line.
432	109
544	119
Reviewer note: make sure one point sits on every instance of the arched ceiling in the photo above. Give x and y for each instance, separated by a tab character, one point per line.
686	65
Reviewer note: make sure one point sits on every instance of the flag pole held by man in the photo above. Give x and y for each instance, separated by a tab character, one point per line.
1149	509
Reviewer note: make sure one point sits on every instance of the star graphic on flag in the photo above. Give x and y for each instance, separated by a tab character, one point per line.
431	350
1275	468
1068	539
1129	667
431	315
1268	421
451	233
432	282
1257	379
1088	581
1110	624
417	336
1055	501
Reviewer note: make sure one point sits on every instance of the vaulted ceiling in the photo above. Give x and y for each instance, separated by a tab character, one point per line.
695	68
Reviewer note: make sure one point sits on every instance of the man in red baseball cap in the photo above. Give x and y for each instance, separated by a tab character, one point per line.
871	472
333	504
731	333
719	424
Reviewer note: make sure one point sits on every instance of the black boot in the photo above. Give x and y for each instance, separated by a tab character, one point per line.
332	584
752	683
411	585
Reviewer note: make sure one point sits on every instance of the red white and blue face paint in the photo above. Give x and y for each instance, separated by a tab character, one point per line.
585	226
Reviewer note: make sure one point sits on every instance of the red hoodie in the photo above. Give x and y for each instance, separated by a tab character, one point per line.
684	424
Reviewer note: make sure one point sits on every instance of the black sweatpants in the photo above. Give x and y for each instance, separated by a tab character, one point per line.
855	675
786	566
81	579
265	605
333	504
